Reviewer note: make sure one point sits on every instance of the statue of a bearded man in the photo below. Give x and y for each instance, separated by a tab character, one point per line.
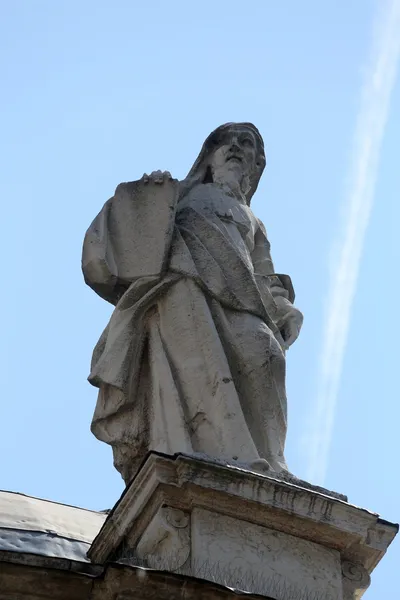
193	358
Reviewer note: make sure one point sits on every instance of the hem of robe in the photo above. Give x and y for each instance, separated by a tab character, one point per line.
120	418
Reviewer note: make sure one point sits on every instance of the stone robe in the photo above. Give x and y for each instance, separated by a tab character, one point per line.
191	360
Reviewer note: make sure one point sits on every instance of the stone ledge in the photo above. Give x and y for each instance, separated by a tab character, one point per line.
184	482
283	476
203	518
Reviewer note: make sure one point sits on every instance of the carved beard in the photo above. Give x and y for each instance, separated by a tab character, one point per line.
226	177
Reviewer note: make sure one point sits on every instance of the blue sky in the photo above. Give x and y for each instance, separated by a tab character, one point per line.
95	93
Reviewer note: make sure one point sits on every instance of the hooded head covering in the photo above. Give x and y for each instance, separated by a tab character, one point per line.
197	173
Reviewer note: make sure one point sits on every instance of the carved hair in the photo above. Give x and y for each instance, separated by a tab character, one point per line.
199	170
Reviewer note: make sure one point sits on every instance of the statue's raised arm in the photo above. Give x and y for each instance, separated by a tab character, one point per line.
192	359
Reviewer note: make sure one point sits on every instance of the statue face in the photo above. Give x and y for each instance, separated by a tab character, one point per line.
232	156
235	157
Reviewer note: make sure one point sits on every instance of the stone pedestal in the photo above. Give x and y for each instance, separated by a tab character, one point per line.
243	530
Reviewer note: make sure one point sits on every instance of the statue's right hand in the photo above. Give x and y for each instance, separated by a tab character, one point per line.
157	177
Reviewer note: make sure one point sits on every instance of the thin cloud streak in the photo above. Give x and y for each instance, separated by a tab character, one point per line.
379	81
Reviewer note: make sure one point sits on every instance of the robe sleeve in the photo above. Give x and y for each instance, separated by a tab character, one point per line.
279	285
130	237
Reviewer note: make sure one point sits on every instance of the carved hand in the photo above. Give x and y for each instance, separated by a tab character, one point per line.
290	326
157	177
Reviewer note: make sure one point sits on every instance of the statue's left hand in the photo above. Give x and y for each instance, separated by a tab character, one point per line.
157	177
291	325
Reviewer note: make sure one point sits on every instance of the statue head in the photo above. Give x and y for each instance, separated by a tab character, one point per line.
232	154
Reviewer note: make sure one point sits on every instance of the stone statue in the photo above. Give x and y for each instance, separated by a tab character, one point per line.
193	358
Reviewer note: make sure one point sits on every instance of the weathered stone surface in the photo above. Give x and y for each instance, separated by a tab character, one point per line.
244	530
142	584
168	535
28	578
356	580
35	583
193	357
263	556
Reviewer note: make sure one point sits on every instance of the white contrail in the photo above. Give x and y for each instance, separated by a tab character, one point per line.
380	77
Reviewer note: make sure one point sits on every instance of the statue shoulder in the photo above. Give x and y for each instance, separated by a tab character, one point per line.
127	187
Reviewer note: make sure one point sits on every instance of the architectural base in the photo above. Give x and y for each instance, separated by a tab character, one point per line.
246	531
